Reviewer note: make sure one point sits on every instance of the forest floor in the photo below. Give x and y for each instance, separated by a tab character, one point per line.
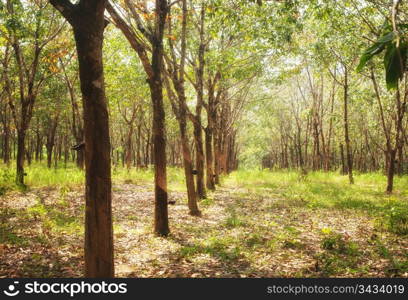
257	224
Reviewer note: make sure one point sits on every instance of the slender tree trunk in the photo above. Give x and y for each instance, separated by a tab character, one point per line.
391	170
20	156
161	222
188	170
49	155
346	129
198	135
209	158
138	157
216	145
154	71
6	145
128	156
343	162
51	139
400	161
161	225
198	132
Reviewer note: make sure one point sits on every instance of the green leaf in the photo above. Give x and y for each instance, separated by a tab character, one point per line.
395	64
376	48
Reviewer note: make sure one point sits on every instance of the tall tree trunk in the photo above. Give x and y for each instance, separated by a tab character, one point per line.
161	222
154	72
88	22
198	132
161	225
346	129
98	224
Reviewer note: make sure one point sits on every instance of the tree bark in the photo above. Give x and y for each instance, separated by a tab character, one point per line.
188	170
198	136
20	156
391	171
198	132
161	223
154	72
88	22
209	159
51	139
346	129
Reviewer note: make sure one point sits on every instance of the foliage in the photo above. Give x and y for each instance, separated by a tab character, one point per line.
395	57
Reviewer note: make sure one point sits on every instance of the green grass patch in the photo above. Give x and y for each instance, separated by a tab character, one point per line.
222	248
69	176
340	256
234	220
329	190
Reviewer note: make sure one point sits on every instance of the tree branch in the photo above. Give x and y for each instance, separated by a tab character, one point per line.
65	7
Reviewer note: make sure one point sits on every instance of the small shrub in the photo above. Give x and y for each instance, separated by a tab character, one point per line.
337	243
253	240
6	181
234	221
292	244
207	201
398	221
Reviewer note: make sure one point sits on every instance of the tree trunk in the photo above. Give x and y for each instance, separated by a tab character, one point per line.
88	22
20	156
346	129
198	136
138	156
188	170
80	159
49	155
209	158
216	145
128	156
6	145
198	132
161	225
98	219
343	163
391	170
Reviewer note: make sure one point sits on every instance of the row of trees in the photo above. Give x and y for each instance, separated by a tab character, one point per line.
200	84
195	70
339	108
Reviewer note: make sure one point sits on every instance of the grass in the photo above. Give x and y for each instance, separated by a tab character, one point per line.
257	223
39	176
315	190
222	248
330	190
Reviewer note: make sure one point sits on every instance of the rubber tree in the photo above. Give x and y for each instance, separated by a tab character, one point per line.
88	23
146	39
